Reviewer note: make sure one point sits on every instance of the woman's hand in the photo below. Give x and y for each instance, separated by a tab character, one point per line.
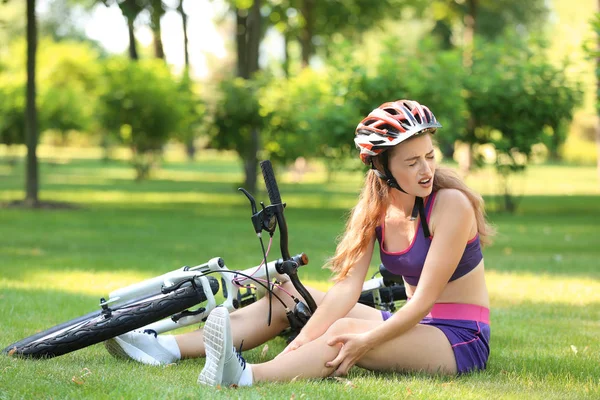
299	341
354	346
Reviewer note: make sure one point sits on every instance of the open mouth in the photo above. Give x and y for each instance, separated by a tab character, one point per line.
425	181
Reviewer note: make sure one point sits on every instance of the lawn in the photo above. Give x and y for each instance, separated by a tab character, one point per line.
542	271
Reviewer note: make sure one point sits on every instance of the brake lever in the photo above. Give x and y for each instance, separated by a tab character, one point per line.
264	219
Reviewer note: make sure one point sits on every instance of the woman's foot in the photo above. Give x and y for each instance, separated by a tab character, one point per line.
224	365
145	347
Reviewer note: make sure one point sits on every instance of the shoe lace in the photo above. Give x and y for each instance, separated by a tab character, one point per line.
238	354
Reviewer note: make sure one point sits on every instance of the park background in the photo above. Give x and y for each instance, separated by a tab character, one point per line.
123	161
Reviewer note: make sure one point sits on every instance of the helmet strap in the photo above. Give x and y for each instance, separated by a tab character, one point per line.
418	208
387	174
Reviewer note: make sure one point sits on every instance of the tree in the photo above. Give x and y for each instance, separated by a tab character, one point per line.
184	18
248	36
315	23
12	115
484	18
141	105
130	9
157	10
517	99
69	79
31	120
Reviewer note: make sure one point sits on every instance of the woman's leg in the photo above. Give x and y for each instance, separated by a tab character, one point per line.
249	324
422	348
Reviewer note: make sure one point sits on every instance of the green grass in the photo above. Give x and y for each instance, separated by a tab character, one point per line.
542	274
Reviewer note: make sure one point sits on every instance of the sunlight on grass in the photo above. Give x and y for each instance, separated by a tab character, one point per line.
319	285
74	281
197	176
508	289
171	152
538	180
192	197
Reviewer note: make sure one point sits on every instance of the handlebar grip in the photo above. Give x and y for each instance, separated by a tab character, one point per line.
270	182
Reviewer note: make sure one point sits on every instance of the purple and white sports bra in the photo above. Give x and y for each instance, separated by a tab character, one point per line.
409	262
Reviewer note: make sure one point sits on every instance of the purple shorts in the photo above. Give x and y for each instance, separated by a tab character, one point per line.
467	327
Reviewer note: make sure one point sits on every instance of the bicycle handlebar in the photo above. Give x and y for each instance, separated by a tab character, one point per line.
270	182
275	197
289	266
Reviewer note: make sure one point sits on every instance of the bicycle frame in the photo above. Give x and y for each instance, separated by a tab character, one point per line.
232	280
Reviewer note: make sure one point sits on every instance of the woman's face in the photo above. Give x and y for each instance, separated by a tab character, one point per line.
413	165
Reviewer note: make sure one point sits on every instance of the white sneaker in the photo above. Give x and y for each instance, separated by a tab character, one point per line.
144	347
224	365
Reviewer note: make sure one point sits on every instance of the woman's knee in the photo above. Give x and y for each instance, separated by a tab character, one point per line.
341	326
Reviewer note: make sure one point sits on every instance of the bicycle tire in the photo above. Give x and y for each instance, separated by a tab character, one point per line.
95	327
388	294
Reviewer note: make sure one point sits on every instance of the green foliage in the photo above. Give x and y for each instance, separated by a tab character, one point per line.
311	115
515	93
140	104
12	113
193	111
236	114
67	80
493	17
428	75
290	107
518	99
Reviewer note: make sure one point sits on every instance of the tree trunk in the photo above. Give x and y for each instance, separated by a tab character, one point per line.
159	51
155	16
190	147
469	33
185	35
31	184
469	44
251	161
286	53
253	45
241	42
133	54
307	9
254	34
555	146
248	35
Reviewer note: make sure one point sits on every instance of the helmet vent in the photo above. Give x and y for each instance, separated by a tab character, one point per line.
391	130
418	118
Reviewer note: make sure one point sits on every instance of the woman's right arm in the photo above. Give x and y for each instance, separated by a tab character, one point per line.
336	304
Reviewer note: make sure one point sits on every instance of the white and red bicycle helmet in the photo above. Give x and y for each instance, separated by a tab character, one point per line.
386	126
392	123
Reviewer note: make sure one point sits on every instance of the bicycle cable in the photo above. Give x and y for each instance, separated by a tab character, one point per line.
262	246
235	280
252	279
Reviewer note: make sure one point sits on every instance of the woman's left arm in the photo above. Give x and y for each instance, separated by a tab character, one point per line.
452	229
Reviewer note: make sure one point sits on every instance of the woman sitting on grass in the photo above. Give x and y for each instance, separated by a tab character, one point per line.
443	328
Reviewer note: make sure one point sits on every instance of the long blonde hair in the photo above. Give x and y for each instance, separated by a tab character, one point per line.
373	202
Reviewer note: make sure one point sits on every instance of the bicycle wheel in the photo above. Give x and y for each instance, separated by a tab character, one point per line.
97	327
388	294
